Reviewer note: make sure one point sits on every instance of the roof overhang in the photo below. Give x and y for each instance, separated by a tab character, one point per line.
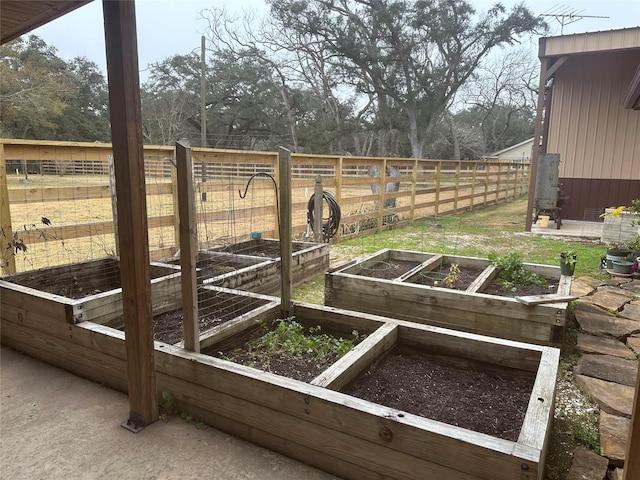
558	49
18	17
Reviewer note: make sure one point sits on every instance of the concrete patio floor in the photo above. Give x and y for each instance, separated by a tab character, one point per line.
56	425
571	229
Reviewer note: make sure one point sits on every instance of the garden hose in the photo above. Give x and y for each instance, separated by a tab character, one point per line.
330	228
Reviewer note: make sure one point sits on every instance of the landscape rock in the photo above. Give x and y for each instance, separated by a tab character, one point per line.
587	465
605	325
614	433
633	287
611	300
634	344
609	368
611	397
581	288
603	346
631	311
617	474
591	281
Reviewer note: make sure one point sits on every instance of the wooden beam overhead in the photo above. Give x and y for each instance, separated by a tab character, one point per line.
18	17
128	156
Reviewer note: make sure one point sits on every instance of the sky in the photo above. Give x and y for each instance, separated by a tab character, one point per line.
170	27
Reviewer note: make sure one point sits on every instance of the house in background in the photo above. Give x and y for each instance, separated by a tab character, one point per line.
589	113
520	152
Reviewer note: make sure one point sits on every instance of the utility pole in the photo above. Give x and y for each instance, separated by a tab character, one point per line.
203	92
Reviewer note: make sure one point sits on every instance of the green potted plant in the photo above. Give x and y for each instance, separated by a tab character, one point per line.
568	262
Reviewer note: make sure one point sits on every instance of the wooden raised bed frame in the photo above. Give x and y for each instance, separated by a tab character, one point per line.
308	260
470	310
312	422
102	308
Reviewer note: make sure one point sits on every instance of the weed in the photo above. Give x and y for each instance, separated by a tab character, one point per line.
167	406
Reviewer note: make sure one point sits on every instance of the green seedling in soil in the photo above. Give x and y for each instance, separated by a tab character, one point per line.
511	271
290	338
452	280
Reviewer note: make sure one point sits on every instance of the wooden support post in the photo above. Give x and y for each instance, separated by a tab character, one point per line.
456	192
188	248
515	180
498	183
414	187
383	181
7	256
473	185
632	458
486	185
276	210
438	181
284	189
114	201
126	134
176	205
317	210
339	187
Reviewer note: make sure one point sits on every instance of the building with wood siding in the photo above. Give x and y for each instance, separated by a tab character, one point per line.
589	113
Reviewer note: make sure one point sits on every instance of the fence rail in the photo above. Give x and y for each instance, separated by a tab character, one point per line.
61	198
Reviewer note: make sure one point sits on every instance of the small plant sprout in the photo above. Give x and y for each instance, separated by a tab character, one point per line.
167	406
452	280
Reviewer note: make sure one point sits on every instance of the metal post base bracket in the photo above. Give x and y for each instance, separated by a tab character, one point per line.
131	426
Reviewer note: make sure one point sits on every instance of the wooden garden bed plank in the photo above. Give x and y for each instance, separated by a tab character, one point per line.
484	279
311	456
83	361
351	365
498	351
540	410
542	299
429	300
354	434
426	265
350	415
446	313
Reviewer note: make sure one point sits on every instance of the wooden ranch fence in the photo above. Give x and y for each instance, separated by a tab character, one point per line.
58	198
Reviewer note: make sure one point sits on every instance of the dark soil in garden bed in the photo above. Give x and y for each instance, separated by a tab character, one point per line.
486	403
167	327
436	278
383	269
74	287
304	366
522	290
214	267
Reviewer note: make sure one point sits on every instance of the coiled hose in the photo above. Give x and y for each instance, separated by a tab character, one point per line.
330	228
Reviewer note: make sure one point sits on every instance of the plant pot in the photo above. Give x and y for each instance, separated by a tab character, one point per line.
616	255
622	266
567	268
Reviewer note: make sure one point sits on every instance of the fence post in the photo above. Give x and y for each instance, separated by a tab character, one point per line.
414	187
188	248
515	180
486	185
284	191
473	185
498	184
339	188
317	211
438	173
176	205
276	213
383	178
114	202
457	190
8	259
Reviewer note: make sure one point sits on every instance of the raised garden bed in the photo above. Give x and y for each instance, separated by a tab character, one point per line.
216	307
87	290
229	270
309	260
314	422
469	310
